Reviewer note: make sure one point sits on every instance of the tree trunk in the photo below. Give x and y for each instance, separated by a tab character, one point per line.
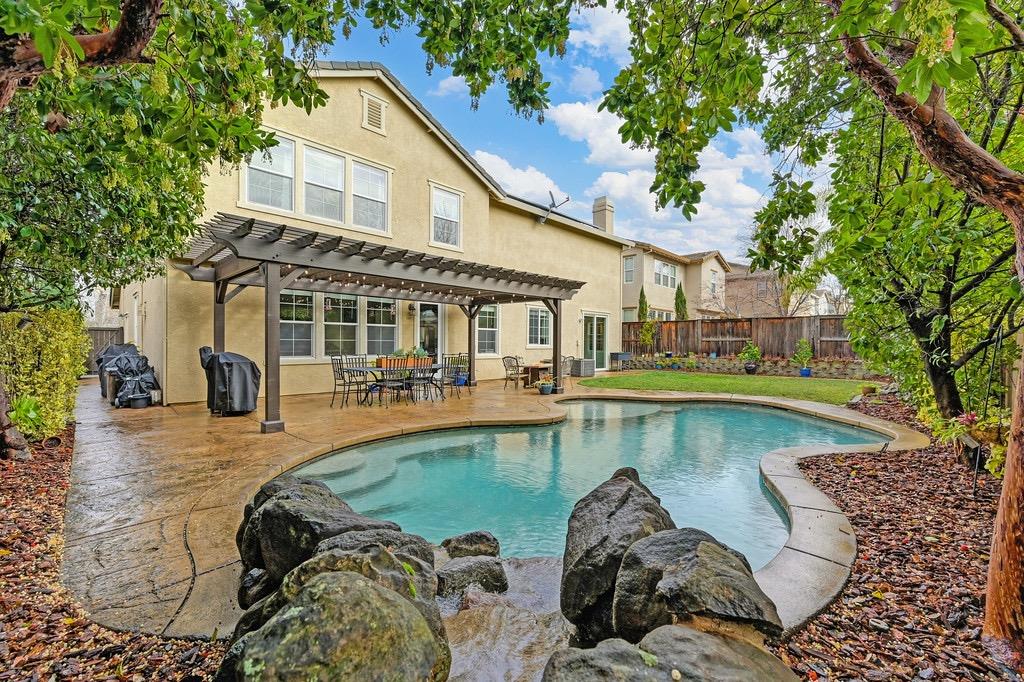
947	394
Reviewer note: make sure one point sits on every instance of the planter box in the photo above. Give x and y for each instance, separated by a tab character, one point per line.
404	363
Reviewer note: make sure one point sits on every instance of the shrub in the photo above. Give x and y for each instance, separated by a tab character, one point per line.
804	353
42	362
750	353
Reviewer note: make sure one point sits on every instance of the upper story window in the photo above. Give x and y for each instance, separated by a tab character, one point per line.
629	314
539	327
369	196
446	218
296	324
487	330
374	113
665	274
628	269
271	176
662	315
324	178
714	282
762	288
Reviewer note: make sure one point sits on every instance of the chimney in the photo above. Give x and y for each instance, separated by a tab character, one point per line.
604	214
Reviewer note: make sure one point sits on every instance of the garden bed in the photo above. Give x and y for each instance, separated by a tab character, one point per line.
914	606
44	634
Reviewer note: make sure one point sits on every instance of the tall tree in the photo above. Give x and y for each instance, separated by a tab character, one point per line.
643	308
680	302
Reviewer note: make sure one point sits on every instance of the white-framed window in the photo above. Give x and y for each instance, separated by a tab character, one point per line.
487	330
270	177
762	288
665	274
662	315
629	315
714	282
628	269
369	196
341	324
381	326
445	217
297	324
538	327
324	180
374	113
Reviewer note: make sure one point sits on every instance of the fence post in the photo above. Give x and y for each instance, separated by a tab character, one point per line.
816	341
700	336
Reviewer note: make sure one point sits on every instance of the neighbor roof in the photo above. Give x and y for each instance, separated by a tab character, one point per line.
687	258
377	70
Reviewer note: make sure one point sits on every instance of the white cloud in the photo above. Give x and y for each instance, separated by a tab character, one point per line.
582	122
451	86
602	32
528	183
586	82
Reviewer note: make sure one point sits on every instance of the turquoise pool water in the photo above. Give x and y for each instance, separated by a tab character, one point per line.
521	483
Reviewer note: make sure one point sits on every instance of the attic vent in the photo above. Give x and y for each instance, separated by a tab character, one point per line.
374	112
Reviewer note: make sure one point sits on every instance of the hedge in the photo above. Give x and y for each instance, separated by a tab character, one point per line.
43	360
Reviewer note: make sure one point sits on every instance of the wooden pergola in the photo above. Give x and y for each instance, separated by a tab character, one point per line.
234	252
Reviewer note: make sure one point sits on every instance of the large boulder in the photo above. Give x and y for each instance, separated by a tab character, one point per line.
340	626
669	653
603	525
284	487
674	575
255	585
291	524
458	574
473	543
393	540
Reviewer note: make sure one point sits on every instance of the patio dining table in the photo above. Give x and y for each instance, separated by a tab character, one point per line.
533	372
383	374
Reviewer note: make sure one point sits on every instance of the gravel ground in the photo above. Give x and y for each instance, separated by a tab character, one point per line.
914	607
44	634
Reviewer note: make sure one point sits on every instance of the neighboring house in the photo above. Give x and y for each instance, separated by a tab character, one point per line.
373	165
763	294
658	271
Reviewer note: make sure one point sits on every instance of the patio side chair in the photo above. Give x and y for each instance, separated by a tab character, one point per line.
514	371
357	378
454	367
421	381
567	369
340	379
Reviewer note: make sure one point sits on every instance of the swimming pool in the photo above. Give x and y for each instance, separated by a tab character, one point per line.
521	483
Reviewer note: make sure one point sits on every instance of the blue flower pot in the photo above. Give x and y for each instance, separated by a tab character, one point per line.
545	389
805	371
460	379
675	365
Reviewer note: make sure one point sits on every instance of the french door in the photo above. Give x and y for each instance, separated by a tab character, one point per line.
429	325
595	339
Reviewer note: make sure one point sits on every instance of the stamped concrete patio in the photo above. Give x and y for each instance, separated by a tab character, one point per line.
157	495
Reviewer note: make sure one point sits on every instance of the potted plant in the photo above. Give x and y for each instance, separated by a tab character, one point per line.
691	361
545	385
750	356
802	357
414	357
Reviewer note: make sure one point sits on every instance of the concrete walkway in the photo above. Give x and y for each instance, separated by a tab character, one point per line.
157	495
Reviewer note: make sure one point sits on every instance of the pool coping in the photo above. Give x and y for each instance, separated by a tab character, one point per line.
815	562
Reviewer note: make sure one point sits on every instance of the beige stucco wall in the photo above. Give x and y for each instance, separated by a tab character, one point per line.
493	233
144	310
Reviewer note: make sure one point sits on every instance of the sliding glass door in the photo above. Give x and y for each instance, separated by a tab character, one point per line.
595	339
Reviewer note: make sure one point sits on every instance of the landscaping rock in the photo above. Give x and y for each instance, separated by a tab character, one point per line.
393	540
669	653
255	585
284	482
674	575
458	574
474	543
602	527
291	524
340	626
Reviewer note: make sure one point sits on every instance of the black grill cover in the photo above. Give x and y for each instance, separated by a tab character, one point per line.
232	381
137	377
106	355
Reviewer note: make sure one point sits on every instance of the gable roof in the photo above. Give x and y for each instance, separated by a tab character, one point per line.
686	258
376	70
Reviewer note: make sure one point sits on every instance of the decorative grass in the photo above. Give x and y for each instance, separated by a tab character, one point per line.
833	391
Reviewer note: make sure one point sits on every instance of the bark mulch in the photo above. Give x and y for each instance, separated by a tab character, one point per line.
914	606
44	634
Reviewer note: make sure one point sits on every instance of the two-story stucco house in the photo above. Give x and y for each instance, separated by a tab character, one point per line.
762	293
658	271
373	180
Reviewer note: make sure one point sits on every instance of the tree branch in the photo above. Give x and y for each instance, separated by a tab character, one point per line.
1007	22
978	278
21	61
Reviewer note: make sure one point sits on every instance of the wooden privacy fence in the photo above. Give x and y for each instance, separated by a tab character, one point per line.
776	336
101	337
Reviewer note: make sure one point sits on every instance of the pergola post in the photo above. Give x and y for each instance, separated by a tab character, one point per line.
218	317
554	305
471	312
272	422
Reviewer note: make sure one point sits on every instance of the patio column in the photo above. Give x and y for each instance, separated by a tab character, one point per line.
555	306
471	312
272	422
218	318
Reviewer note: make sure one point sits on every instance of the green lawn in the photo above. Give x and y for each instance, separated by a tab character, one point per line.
834	391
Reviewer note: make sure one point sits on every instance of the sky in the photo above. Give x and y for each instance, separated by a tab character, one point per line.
577	151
